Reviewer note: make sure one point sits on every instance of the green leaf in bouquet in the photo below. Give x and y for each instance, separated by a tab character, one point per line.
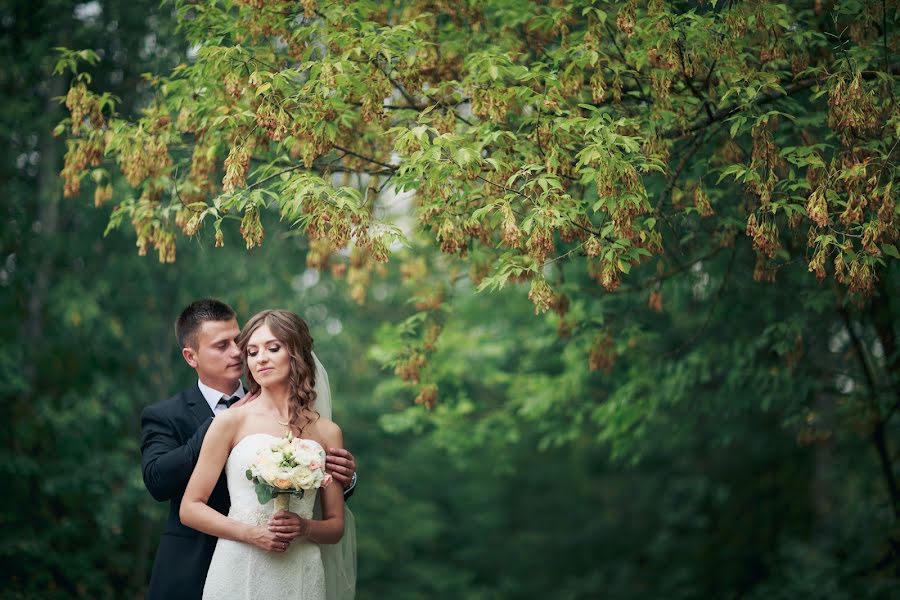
264	492
249	475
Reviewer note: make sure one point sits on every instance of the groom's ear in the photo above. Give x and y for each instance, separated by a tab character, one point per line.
190	356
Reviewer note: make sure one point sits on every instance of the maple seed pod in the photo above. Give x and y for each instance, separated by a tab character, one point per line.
252	229
655	301
871	237
428	395
886	210
609	276
192	225
751	225
840	267
817	208
593	247
450	237
701	201
862	279
102	194
598	87
763	272
541	295
765	238
817	264
540	244
164	242
512	235
625	20
236	169
603	354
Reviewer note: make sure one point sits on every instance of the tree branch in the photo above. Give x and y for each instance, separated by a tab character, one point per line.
366	158
612	37
724	113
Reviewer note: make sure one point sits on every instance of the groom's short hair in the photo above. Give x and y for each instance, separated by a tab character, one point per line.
198	312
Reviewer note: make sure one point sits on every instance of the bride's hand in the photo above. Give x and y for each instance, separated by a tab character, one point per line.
288	526
261	537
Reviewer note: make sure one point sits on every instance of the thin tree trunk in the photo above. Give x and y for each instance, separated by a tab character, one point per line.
48	193
878	437
883	320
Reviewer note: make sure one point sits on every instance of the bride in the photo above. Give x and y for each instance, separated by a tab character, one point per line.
250	561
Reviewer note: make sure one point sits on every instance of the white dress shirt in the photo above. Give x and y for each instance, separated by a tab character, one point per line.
212	396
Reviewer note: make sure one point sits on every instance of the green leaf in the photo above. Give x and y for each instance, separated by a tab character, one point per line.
264	492
890	250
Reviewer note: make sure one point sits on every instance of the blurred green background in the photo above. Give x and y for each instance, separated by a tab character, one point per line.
730	458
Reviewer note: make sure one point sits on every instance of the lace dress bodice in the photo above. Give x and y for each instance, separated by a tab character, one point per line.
245	572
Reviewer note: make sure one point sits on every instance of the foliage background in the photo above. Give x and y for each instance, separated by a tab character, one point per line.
724	449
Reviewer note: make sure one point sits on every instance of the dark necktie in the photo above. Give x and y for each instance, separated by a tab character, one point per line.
228	401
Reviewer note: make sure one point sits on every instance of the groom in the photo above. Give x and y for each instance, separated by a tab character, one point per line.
172	432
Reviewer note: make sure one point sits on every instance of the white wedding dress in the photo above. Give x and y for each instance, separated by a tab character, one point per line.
245	572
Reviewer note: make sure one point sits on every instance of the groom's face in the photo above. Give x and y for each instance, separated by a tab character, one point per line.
217	357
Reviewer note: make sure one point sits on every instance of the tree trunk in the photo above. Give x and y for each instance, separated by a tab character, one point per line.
48	196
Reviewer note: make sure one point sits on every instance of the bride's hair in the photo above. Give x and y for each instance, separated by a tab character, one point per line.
292	331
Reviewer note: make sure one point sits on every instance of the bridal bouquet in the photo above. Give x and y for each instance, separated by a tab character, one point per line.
288	467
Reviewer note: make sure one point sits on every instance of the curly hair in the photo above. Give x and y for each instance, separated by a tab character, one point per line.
292	331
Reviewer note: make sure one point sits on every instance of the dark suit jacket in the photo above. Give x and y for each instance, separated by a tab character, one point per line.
171	435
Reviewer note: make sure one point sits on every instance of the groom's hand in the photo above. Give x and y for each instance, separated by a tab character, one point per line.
248	397
341	464
288	526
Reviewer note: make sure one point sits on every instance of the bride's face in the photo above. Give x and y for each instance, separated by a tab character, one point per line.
267	358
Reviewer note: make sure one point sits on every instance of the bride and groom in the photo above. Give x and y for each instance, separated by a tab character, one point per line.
198	464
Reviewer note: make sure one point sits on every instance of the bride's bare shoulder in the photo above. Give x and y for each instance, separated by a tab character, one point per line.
330	433
225	425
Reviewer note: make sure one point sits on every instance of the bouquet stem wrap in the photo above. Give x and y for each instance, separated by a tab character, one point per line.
282	501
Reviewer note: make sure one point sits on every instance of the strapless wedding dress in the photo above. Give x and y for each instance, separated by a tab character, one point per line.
245	572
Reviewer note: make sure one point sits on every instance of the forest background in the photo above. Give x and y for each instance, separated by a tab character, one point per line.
632	336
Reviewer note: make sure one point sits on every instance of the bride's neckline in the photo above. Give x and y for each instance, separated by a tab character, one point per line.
271	435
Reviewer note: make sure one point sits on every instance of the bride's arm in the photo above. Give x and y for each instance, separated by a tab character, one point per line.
196	513
330	529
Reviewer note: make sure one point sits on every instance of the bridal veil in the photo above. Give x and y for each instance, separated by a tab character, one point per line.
338	559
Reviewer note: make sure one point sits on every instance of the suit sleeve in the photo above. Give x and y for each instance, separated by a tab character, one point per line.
349	491
166	463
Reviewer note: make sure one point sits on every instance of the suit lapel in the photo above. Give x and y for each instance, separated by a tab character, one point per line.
197	405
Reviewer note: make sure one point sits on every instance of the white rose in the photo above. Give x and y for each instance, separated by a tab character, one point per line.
269	473
303	478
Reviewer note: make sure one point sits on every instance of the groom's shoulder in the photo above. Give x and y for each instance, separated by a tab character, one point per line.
170	405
